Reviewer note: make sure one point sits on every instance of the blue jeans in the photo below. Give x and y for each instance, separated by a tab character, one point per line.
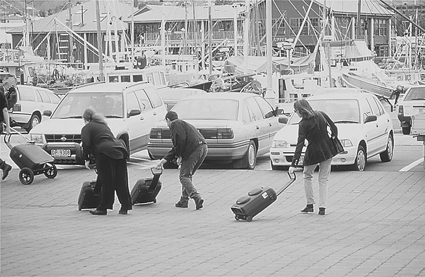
324	170
187	169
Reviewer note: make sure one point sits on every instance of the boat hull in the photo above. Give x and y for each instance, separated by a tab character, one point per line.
376	87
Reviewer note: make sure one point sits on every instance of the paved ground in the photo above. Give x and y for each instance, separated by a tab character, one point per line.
374	226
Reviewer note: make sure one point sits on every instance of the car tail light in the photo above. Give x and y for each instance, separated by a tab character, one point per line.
155	133
225	133
16	108
400	109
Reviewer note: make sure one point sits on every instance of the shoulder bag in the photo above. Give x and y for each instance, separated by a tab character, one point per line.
335	141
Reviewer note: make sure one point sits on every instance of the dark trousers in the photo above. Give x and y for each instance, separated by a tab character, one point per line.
114	177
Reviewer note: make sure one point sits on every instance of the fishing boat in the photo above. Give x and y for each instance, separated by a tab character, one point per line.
353	80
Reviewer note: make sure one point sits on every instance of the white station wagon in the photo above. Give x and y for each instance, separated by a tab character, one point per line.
364	128
131	109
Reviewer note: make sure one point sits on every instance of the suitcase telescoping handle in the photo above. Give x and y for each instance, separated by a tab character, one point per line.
8	136
292	178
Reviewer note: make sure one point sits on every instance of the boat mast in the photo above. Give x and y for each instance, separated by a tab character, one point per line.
359	10
99	42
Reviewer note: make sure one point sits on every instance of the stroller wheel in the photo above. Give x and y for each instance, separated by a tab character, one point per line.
51	172
26	176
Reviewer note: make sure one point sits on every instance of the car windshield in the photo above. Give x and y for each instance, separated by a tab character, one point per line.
339	110
211	109
415	94
74	104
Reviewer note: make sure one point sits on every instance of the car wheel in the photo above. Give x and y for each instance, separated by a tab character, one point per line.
34	121
360	161
249	161
405	130
387	155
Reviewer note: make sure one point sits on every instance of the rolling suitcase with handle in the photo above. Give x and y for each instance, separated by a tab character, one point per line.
146	190
257	200
89	197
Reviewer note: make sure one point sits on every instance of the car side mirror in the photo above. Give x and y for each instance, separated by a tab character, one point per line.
134	112
47	113
283	119
371	118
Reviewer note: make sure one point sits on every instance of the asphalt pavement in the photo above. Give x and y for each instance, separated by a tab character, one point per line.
374	226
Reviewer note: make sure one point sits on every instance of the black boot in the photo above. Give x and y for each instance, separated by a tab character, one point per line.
6	168
322	211
308	209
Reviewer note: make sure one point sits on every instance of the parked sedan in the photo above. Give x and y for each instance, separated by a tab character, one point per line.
364	128
237	126
130	109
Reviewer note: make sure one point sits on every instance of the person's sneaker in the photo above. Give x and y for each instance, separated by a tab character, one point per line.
199	201
6	170
308	209
321	211
181	204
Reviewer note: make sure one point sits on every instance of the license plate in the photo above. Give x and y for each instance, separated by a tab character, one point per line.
60	153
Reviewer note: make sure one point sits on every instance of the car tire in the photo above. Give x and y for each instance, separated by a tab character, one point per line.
387	155
360	161
34	121
249	161
405	130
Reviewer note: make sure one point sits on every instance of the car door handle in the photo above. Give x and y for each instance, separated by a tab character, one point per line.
270	124
258	127
154	113
142	118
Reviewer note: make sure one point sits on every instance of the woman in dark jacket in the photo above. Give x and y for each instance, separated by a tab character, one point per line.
111	162
320	151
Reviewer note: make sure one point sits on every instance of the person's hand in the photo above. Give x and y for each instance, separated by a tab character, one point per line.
179	161
291	170
7	130
161	163
87	164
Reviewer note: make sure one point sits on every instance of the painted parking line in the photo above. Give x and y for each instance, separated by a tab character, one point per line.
412	165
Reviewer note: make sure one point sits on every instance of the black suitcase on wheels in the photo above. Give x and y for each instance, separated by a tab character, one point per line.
146	190
89	197
257	200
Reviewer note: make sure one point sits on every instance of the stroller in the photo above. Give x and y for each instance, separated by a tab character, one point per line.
31	159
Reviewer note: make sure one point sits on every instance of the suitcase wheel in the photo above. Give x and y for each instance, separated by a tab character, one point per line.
51	172
26	176
249	218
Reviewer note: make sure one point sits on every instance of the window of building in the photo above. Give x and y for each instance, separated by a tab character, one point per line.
380	27
278	27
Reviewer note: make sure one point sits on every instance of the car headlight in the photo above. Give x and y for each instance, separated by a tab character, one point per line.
346	142
280	144
37	138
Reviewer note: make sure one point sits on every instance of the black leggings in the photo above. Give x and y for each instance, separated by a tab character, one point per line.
114	177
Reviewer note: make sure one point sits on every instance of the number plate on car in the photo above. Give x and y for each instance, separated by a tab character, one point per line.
60	153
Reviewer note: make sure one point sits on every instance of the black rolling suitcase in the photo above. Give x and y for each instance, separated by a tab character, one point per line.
257	200
89	197
31	159
146	190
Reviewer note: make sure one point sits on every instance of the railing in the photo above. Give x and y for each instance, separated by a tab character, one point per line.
177	38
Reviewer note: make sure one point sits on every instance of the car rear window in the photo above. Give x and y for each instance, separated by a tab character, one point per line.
210	109
415	94
26	94
339	110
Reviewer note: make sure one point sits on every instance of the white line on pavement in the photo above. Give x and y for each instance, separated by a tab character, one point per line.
412	165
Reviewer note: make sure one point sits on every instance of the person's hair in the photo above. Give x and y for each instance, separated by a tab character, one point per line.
171	115
304	108
91	115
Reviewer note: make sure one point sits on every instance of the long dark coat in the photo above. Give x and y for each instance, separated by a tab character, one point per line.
320	147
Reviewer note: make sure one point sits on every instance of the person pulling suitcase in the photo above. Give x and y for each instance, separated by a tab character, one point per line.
190	150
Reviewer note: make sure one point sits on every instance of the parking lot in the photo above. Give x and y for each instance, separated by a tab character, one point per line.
374	226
